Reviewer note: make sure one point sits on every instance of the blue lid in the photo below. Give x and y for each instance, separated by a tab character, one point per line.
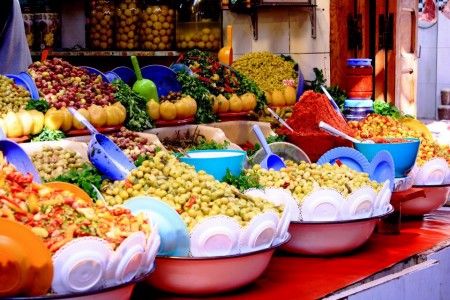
359	62
358	103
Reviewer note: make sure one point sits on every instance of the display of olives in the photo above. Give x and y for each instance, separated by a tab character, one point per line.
128	14
199	36
157	27
53	161
101	32
13	97
195	195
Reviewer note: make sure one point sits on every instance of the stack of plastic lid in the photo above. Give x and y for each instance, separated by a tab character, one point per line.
359	89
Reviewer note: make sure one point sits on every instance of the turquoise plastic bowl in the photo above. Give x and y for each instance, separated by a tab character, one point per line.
216	162
403	154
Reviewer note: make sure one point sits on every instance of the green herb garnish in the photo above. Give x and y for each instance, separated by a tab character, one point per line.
84	178
243	181
138	118
48	135
40	105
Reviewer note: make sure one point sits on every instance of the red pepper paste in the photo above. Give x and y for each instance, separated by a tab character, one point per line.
309	110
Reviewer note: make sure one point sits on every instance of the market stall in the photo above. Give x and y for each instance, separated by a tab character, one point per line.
217	183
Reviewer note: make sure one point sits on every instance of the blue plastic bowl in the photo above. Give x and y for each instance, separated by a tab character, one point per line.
216	162
403	154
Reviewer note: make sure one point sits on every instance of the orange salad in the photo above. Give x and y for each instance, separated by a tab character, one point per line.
59	216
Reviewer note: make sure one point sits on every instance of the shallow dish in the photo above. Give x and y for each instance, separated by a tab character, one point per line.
330	238
435	197
210	275
285	150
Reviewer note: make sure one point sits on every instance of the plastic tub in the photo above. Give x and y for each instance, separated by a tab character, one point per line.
216	162
359	78
357	109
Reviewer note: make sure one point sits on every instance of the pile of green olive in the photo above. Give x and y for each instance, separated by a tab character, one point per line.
302	178
13	97
195	195
52	161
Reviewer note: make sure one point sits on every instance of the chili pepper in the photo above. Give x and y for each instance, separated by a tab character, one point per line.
196	70
204	79
191	201
227	88
338	162
20	178
285	185
128	184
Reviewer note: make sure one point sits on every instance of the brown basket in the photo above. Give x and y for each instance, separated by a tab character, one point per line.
315	145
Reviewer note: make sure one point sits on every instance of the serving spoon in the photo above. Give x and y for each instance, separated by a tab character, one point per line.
330	129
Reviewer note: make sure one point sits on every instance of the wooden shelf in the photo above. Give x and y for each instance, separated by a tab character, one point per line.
309	5
107	53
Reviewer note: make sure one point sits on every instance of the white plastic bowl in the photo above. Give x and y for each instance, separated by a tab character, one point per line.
435	197
209	275
330	238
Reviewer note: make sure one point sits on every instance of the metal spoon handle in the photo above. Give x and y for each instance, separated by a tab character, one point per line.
83	120
280	119
328	128
336	107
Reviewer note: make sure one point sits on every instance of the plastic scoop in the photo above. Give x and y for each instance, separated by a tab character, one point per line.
104	154
225	54
279	119
44	55
330	129
270	161
144	87
16	156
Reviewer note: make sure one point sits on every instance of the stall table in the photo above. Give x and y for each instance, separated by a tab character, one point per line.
288	276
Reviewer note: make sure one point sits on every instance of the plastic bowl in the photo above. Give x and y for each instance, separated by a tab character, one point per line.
285	150
315	145
435	197
210	275
403	154
216	162
332	237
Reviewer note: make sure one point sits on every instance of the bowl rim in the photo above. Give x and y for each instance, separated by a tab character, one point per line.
205	258
421	186
413	140
390	211
217	150
88	293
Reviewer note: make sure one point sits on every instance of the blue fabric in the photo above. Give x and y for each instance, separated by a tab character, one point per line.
15	55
